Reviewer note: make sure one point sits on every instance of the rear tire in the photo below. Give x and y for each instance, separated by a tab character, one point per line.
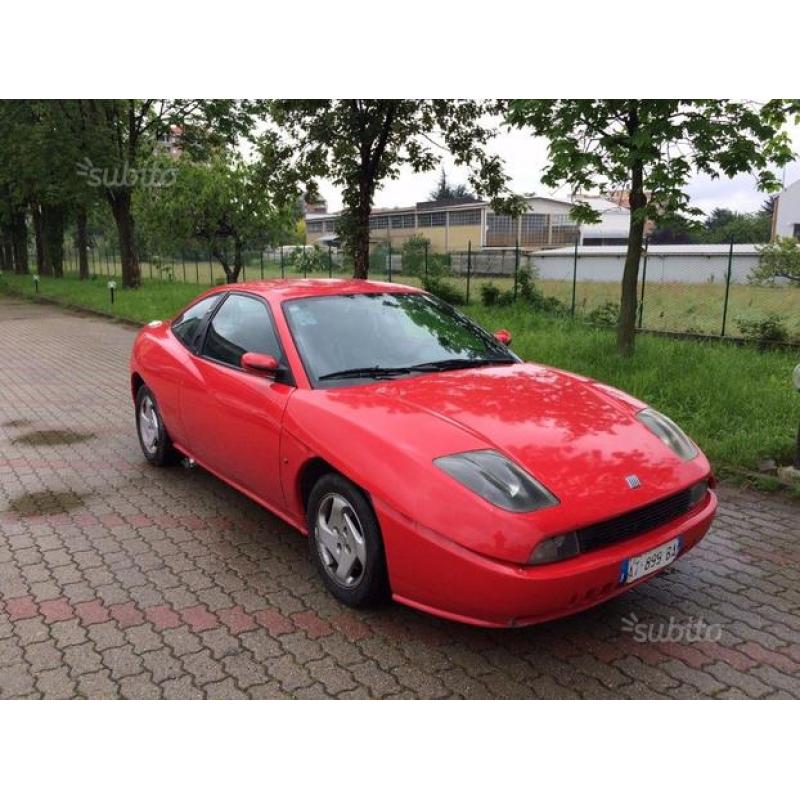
153	437
346	543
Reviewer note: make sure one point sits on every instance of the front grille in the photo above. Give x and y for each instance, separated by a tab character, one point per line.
634	523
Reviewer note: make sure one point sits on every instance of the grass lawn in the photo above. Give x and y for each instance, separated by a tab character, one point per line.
737	402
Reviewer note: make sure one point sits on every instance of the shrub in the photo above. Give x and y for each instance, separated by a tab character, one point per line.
606	314
771	328
490	294
442	290
506	298
413	252
305	260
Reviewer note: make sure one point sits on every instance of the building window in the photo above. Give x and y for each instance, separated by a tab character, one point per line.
434	220
378	223
564	230
797	230
471	217
314	226
330	225
501	231
403	221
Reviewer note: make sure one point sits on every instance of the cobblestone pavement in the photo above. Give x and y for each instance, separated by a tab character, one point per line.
120	580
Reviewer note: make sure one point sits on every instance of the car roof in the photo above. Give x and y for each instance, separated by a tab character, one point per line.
291	288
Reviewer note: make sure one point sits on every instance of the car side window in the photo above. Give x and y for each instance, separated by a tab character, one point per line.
187	326
241	325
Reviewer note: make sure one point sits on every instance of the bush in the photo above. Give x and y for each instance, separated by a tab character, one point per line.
606	314
442	290
413	252
771	328
490	294
305	260
506	298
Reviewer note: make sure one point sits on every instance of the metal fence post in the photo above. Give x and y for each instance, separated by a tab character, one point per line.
426	259
282	267
183	265
210	270
516	267
330	261
575	275
261	260
196	269
390	262
469	267
727	288
644	280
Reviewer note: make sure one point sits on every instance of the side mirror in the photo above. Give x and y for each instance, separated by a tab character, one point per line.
503	336
260	363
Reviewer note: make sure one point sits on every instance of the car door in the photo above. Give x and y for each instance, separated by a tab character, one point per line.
232	417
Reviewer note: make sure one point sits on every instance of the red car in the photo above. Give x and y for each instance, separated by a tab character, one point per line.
422	457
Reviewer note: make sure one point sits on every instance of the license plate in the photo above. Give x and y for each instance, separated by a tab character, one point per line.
653	560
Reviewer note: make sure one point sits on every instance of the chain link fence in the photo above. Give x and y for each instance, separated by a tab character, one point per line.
703	290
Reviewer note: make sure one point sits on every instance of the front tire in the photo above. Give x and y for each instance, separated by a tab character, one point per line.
346	542
153	437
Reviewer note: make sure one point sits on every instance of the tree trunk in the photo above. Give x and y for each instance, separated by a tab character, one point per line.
238	260
82	242
19	233
42	267
120	202
360	241
626	327
53	238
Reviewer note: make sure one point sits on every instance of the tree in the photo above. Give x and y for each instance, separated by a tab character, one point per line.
448	191
778	259
724	225
358	144
120	138
225	203
652	147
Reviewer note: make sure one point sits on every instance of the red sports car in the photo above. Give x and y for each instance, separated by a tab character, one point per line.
422	457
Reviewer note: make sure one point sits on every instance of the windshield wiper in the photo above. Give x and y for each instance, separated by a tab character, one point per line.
461	363
366	372
427	366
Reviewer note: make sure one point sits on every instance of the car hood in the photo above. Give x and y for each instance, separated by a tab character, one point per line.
569	432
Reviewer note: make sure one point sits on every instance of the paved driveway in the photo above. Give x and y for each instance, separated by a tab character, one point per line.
119	580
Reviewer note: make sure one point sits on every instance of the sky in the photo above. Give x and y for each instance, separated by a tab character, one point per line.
525	158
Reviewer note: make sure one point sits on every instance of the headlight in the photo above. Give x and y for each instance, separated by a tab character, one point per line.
669	433
556	548
496	479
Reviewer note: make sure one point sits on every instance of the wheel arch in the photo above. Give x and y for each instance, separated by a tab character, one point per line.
136	383
312	470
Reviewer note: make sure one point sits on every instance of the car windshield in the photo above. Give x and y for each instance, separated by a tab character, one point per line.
356	338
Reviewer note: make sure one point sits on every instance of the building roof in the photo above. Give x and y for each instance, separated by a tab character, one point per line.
655	250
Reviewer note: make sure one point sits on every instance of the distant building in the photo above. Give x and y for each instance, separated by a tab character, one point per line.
169	142
786	212
455	224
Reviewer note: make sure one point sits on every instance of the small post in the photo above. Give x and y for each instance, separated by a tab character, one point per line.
330	261
644	281
35	283
112	285
261	260
196	268
516	267
150	264
282	267
426	259
727	288
390	262
183	264
210	270
469	267
575	274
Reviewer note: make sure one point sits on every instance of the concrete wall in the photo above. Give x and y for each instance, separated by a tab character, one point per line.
787	215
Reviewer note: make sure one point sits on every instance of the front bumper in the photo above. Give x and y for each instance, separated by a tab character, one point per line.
429	572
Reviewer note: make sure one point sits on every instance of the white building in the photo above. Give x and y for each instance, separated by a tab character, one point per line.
786	215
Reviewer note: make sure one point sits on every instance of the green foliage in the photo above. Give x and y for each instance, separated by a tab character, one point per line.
413	252
606	314
306	260
771	328
724	225
443	290
359	144
654	146
778	259
490	294
448	191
